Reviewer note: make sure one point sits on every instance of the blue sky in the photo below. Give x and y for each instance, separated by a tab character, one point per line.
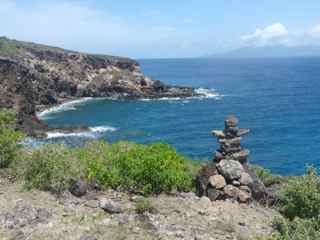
161	29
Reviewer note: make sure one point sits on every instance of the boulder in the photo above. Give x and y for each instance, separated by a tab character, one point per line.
243	196
240	156
78	187
245	179
230	169
110	206
202	180
217	181
214	194
231	191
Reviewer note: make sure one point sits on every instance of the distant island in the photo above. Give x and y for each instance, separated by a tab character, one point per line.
270	52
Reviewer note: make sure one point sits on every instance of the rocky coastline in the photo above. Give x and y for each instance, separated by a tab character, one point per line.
35	77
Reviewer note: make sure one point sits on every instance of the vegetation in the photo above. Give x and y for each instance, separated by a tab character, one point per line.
301	196
7	46
9	138
266	176
127	166
300	204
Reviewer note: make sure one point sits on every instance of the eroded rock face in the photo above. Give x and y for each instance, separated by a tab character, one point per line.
34	75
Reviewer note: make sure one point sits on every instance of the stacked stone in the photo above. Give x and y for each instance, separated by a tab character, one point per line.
228	177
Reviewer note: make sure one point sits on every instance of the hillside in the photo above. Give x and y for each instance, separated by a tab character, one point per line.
34	75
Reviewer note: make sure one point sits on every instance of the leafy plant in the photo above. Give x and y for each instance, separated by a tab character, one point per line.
9	138
48	168
135	167
301	196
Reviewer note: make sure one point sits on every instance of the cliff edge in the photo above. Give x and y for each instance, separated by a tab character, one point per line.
33	76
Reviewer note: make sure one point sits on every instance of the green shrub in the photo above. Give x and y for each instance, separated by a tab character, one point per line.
9	138
127	166
300	197
298	229
144	205
135	167
7	46
48	168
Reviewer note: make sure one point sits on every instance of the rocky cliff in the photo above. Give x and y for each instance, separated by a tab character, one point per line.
34	75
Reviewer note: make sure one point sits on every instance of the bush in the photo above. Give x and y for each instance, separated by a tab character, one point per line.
48	168
300	197
9	138
141	168
144	205
298	229
127	166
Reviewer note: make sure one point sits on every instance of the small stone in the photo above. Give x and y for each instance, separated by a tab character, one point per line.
231	142
217	181
230	169
92	204
110	206
245	179
214	194
231	191
78	187
243	196
231	121
236	183
231	132
218	134
240	156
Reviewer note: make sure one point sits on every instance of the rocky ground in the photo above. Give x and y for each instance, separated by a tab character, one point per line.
36	215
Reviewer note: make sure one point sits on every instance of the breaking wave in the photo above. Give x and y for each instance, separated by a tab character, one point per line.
68	106
204	93
93	132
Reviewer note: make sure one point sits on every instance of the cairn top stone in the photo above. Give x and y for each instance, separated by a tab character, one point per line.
231	121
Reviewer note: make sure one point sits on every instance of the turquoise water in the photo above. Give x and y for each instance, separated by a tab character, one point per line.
278	99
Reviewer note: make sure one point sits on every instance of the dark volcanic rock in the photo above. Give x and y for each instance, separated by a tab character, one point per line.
78	188
34	75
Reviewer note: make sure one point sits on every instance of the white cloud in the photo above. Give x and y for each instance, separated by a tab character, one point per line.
315	31
270	35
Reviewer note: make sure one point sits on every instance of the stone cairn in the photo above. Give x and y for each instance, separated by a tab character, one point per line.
228	176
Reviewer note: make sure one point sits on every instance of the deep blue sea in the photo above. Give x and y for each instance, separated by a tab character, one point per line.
278	99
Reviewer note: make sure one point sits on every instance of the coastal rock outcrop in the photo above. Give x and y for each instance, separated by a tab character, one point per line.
229	175
33	76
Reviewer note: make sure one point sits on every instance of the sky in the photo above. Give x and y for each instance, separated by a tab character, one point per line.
161	29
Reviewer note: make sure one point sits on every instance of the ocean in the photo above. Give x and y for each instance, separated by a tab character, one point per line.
278	99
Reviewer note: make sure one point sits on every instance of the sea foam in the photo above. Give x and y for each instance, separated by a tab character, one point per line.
204	93
93	132
68	106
